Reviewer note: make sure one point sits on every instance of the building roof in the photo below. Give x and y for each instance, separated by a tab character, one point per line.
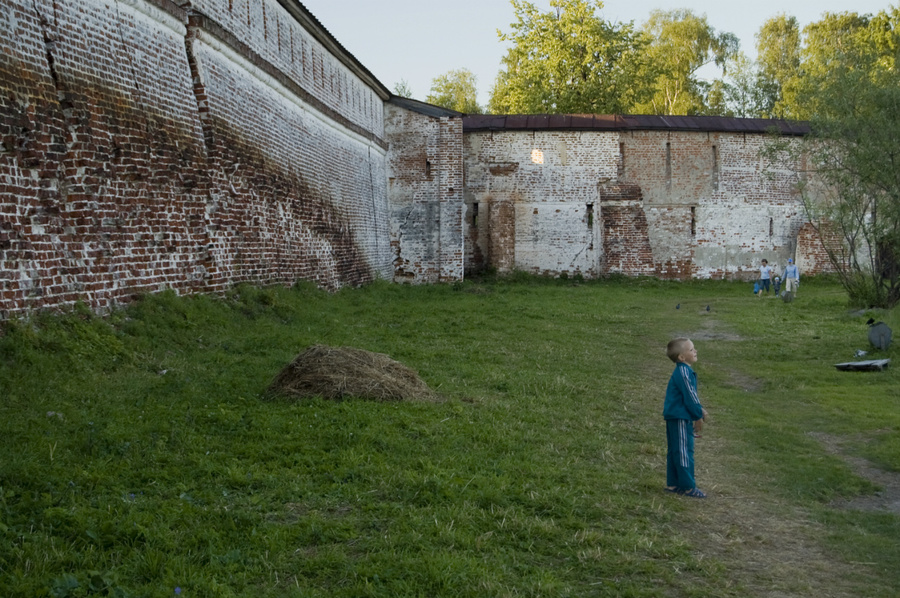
424	108
617	122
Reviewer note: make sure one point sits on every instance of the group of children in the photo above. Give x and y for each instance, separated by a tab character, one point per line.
766	272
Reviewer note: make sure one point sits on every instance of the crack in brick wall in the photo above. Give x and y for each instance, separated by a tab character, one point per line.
141	152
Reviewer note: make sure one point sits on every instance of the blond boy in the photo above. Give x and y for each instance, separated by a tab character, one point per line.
681	410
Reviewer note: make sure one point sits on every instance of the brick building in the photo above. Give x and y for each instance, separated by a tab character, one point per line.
197	144
673	197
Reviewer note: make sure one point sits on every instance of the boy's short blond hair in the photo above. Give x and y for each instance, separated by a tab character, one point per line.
676	347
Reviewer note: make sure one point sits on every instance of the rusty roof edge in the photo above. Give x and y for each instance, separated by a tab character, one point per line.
626	122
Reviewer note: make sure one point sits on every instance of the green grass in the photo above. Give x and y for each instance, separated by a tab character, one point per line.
138	459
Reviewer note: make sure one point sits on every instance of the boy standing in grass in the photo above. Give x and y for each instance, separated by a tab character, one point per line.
681	408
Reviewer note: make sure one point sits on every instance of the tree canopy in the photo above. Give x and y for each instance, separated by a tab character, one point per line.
569	60
849	88
680	44
778	57
456	90
403	89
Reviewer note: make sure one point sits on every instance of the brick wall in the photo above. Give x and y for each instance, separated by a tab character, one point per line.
144	150
713	207
812	256
539	189
675	204
425	189
626	234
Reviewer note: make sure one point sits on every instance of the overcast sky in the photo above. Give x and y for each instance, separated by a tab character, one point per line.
418	40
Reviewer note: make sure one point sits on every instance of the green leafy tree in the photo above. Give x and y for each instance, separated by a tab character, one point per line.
403	89
741	94
683	43
456	90
778	46
836	43
569	60
851	88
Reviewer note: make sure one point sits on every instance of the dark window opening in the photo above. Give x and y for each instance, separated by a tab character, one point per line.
590	216
668	165
621	165
475	214
693	222
771	227
427	168
715	168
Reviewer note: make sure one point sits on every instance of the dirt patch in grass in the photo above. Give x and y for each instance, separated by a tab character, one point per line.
345	372
712	329
770	549
887	499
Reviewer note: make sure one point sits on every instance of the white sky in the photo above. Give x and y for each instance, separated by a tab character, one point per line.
418	40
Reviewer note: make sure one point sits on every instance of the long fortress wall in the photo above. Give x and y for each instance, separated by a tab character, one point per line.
149	144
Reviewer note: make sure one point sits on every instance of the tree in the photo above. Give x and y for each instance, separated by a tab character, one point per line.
778	56
833	45
403	89
683	43
569	60
853	150
742	95
455	90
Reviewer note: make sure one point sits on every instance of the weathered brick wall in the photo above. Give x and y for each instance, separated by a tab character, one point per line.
714	208
277	38
812	256
701	204
296	192
102	156
140	152
425	189
550	179
626	234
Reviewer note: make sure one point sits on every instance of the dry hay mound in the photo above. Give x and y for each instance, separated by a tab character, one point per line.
339	372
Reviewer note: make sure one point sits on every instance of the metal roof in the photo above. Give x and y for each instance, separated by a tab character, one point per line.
619	122
423	107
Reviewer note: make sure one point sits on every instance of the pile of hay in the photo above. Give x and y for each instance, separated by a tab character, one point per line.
339	372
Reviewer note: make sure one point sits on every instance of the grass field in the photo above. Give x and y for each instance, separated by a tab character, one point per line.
138	459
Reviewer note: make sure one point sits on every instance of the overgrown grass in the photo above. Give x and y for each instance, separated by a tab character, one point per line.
138	460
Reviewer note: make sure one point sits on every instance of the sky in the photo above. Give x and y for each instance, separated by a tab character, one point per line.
418	40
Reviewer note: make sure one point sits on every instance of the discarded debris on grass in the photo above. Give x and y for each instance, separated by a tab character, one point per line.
344	372
872	365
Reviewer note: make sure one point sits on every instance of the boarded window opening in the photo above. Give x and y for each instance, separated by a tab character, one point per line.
590	216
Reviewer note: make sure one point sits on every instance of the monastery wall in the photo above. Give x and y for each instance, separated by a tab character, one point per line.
673	204
425	191
150	145
197	144
531	199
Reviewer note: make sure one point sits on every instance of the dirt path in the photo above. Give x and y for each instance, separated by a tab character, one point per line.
886	500
770	548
